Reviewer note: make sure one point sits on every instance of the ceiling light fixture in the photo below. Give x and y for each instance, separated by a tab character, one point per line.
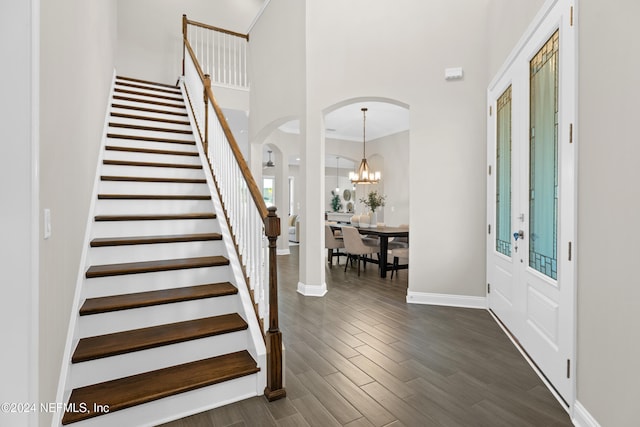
270	163
364	175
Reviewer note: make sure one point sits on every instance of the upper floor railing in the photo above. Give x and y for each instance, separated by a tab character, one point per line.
254	228
222	54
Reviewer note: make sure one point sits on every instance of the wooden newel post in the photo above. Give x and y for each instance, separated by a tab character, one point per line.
274	389
207	87
184	37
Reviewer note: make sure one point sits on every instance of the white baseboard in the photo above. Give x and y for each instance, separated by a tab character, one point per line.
446	300
312	290
582	417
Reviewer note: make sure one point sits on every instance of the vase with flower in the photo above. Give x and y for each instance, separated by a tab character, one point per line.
373	201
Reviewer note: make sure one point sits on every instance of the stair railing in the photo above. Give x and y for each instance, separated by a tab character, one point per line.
254	227
221	53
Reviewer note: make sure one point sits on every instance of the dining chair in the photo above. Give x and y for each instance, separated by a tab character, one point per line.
331	242
399	254
356	247
399	242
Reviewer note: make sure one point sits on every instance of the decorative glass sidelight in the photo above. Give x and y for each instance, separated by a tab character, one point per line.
503	174
543	159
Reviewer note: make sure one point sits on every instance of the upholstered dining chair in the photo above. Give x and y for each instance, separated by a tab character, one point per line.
356	247
331	242
400	255
399	242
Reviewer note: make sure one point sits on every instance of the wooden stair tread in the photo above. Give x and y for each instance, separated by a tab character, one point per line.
200	215
101	346
152	164
147	240
154	179
175	90
151	298
153	119
148	101
149	386
149	110
153	266
151	151
130	79
149	128
154	95
154	197
149	138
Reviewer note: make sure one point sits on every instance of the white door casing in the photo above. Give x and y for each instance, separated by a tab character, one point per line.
538	310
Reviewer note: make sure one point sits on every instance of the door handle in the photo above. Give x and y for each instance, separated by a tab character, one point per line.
518	235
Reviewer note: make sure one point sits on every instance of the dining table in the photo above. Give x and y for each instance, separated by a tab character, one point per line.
383	233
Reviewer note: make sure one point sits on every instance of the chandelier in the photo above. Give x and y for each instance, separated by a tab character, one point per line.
364	175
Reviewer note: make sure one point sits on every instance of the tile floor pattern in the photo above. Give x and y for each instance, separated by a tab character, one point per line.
362	356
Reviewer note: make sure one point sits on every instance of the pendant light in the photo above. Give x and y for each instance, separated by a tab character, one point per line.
270	163
364	175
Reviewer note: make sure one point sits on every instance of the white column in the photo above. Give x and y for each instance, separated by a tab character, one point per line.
312	277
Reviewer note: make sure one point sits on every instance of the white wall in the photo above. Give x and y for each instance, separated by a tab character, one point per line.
358	49
608	211
18	192
508	20
78	43
276	68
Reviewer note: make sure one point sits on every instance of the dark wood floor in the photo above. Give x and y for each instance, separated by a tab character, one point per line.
362	356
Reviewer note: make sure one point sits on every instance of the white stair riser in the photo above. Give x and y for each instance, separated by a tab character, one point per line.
142	282
152	123
153	87
117	321
150	134
178	406
136	207
153	228
151	252
109	368
146	113
146	171
150	97
134	187
138	103
152	157
154	145
148	90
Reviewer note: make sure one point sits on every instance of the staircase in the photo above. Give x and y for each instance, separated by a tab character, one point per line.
162	331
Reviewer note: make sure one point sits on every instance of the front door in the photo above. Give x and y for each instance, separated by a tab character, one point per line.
531	201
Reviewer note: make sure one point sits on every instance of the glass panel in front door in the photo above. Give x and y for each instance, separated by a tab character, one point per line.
543	159
503	174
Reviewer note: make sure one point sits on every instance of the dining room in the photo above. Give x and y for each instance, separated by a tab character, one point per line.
375	133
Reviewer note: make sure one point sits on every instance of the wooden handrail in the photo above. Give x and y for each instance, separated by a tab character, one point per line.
193	57
219	30
246	172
